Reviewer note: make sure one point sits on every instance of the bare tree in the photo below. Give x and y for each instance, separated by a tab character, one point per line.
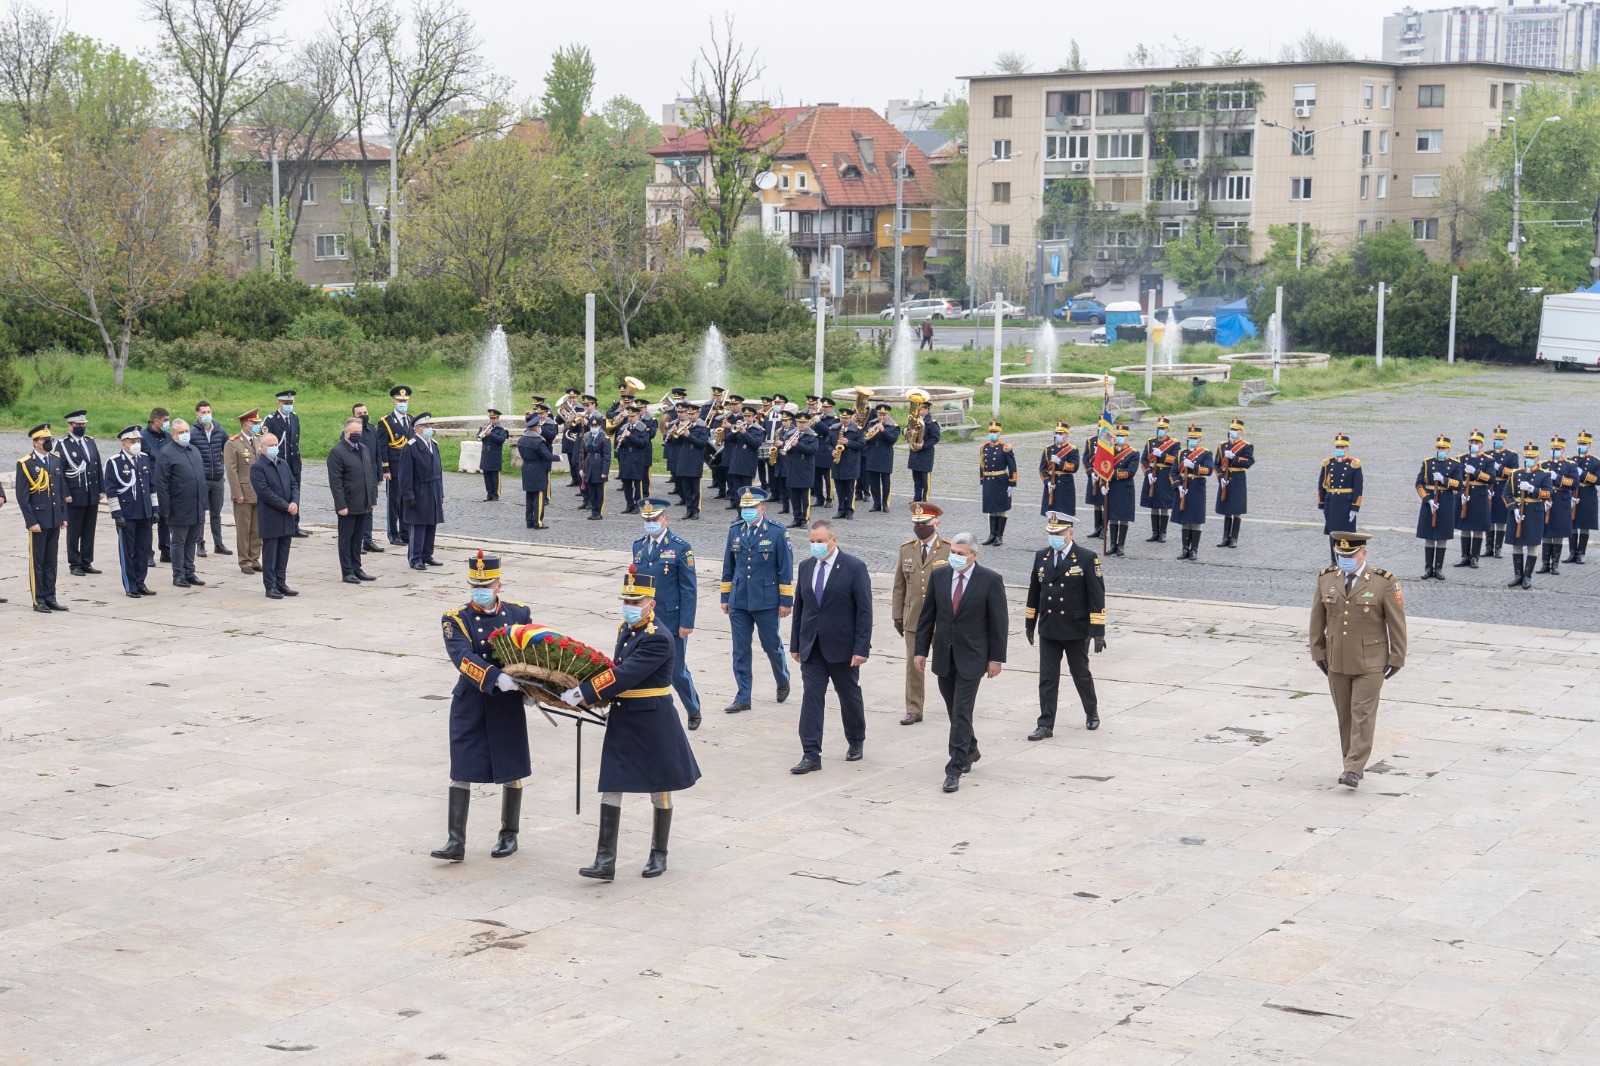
1074	60
1313	47
218	55
1012	61
1462	204
599	246
30	51
740	142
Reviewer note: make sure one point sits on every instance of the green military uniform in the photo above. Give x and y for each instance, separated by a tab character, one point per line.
919	560
1358	637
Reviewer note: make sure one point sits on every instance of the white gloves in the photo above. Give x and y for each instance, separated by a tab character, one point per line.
1438	479
1471	469
504	683
573	697
1525	486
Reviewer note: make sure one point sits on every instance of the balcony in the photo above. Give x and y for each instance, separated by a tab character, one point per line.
858	239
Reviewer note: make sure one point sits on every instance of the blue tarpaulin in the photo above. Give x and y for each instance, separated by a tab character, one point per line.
1233	323
1590	288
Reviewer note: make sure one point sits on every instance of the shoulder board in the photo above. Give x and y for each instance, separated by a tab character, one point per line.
1326	461
1355	463
236	436
912	543
512	603
1328	570
1383	573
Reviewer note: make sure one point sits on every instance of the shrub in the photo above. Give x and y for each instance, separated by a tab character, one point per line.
256	306
10	377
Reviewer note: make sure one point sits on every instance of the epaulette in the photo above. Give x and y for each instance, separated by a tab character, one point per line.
913	542
511	603
651	629
1328	570
1383	573
1355	464
235	437
1326	461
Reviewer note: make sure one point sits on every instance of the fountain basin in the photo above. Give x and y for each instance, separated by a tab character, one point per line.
1060	384
895	395
1184	371
1288	360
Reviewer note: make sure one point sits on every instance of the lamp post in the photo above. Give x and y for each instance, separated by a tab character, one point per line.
1300	134
1515	247
972	251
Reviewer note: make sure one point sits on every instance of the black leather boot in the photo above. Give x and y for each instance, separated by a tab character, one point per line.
657	864
1499	536
1099	522
1000	531
1583	548
1572	548
1527	571
991	532
1555	558
455	846
605	853
510	820
1466	551
1477	550
1516	563
1155	529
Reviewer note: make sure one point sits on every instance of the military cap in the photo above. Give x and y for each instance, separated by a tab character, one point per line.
1584	438
651	506
752	496
1237	425
922	511
1341	441
1500	433
637	586
1122	428
286	396
1194	431
779	397
1475	437
1531	451
812	397
130	433
716	389
1058	522
685	405
766	399
1163	423
252	415
77	416
994	426
590	397
1442	442
423	419
572	390
536	398
827	401
734	397
492	411
400	392
804	416
1349	543
40	431
1062	427
1557	442
787	414
882	409
847	411
483	570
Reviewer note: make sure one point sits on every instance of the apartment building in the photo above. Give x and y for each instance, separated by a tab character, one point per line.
1347	147
1554	35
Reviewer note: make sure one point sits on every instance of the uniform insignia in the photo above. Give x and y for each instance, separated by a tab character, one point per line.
1097	571
1076	571
1382	573
1041	573
688	559
1329	570
669	554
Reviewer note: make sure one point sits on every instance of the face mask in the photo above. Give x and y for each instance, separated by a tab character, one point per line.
427	432
164	426
1528	463
401	407
256	428
287	408
1555	453
183	438
78	431
1338	453
135	448
205	420
749	514
1161	433
1059	438
1057	542
364	421
923	530
1122	441
632	613
1347	563
994	436
819	551
1233	434
958	563
272	451
652	529
1583	449
1474	448
354	442
46	444
483	597
1441	455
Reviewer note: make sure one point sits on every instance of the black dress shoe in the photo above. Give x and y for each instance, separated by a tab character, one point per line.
783	692
431	561
196	581
145	590
1041	733
735	707
134	595
301	536
287	591
371	546
180	583
351	579
694	722
1350	779
1092	722
53	605
595	518
853	754
76	571
220	550
41	608
952	782
166	557
89	569
806	766
200	552
274	594
418	566
362	575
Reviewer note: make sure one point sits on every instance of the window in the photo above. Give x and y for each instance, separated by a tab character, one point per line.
1364	186
800	182
308	192
1178	189
377	193
1303	142
1182	144
1231	187
248	244
1238	145
347	192
1119	190
1383	142
850	172
905	220
1361	227
1387	97
1305	96
1232	234
1366	142
1065	103
808	223
1425	185
1232	98
1299	188
783	183
1118	238
244	195
1000	192
1508	95
1179	99
1494	94
1383	186
1002	107
775	219
1059	146
1430	96
1121	101
330	246
1430	140
1170	231
1000	236
1119	146
1425	229
1001	150
1366	96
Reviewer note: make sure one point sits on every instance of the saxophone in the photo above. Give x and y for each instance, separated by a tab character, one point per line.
838	449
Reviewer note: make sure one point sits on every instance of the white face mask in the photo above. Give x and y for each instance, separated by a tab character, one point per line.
135	448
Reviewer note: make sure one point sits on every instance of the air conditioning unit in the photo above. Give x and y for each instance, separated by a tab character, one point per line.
1192	205
1105	207
1079	168
864	266
1366	160
1302	112
1191	164
1102	254
1077	122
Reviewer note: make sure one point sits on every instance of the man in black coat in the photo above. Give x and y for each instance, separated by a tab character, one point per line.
43	505
80	462
181	487
209	439
355	492
154	437
285	425
373	451
830	636
492	455
1067	606
277	509
421	483
963	627
534	449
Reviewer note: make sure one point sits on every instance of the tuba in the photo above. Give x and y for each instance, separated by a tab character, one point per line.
863	408
916	428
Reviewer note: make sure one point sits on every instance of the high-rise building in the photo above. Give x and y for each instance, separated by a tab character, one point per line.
1553	34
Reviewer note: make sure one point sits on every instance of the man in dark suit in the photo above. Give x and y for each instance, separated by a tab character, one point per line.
963	625
181	486
354	484
830	637
1067	605
285	425
277	508
83	488
492	458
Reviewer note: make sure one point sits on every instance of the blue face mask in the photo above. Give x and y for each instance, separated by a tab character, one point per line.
958	563
1474	448
819	551
183	438
1338	453
652	528
288	408
483	598
256	428
1583	449
1121	441
1059	438
994	436
1528	463
1347	563
749	514
1555	453
272	451
427	432
164	426
1441	455
1233	434
1161	433
205	420
401	407
1057	542
632	613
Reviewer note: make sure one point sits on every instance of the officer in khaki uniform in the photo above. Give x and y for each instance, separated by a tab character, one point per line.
1358	638
237	455
919	558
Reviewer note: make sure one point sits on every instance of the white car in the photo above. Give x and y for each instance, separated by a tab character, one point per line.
917	310
986	310
808	303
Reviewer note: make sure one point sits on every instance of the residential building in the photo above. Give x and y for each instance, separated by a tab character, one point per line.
1550	34
1348	147
326	188
910	115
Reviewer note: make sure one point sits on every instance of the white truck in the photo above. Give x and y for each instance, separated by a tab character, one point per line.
1569	331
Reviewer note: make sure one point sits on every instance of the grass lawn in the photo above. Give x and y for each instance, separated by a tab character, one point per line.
58	384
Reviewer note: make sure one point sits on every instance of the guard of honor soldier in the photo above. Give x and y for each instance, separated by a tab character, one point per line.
1505	463
42	501
1119	493
1339	491
1438	482
1188	474
1475	513
1586	508
997	475
919	557
1058	473
1558	515
1159	490
1234	460
1067	610
1526	496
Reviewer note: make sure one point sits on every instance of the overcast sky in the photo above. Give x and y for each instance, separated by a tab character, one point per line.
836	52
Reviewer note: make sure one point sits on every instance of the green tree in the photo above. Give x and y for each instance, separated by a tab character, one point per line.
568	87
1012	61
617	142
763	261
1281	247
1192	260
1075	60
1387	254
30	54
598	245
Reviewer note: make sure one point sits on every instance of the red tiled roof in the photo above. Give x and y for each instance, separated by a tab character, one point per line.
692	141
829	139
255	142
806	201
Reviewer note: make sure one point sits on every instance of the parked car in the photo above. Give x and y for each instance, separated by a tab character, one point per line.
809	304
1126	331
917	310
1193	306
1199	329
1081	308
986	310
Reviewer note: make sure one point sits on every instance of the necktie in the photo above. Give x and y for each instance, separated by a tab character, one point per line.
924	555
955	598
822	576
1349	583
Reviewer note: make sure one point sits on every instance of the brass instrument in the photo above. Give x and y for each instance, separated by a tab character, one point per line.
566	407
790	440
916	428
863	408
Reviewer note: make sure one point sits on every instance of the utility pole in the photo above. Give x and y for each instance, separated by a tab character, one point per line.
1305	139
1515	245
899	211
277	222
394	208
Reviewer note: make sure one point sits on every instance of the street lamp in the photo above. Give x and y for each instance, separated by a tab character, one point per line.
972	250
1301	133
1515	247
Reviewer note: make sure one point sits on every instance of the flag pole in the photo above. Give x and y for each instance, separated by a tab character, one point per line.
1105	485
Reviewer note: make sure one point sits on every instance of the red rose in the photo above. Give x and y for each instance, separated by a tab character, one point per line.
549	638
566	642
497	634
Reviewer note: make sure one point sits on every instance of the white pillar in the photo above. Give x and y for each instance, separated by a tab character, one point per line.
1149	342
1450	356
588	344
277	222
816	368
994	393
1380	324
1277	341
394	209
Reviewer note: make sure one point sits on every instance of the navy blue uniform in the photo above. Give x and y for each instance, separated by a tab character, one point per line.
1187	477
740	454
1159	490
1058	471
1234	459
878	464
80	463
491	459
421	497
646	749
1339	494
1587	516
42	501
537	459
1473	512
594	468
997	470
1526	495
130	486
1505	462
1563	481
847	468
1437	483
635	451
757	579
688	464
1120	495
488	728
827	428
920	460
802	474
395	431
669	561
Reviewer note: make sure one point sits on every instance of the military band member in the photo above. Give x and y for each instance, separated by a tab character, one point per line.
1188	475
129	478
421	493
43	503
1558	515
1358	639
488	725
850	445
827	426
1234	460
1058	470
567	410
1094	489
1586	502
285	425
1120	497
533	447
1438	482
757	590
919	557
1506	463
878	459
237	455
778	459
691	439
81	467
997	478
770	417
1067	607
594	466
395	430
1526	496
1339	491
800	477
635	449
1474	511
919	459
492	457
1159	490
645	748
668	561
741	449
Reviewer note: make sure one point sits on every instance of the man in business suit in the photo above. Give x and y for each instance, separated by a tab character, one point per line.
277	508
963	625
830	637
1067	605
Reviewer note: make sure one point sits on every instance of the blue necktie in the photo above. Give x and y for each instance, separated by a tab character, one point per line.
822	575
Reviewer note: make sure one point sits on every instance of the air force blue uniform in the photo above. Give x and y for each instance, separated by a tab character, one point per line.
668	560
757	579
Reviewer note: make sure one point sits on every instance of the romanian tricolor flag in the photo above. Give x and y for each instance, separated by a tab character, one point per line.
1104	461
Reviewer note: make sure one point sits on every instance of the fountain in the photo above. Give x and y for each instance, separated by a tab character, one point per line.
713	366
903	354
1171	341
1047	380
903	378
1277	342
493	371
1047	346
